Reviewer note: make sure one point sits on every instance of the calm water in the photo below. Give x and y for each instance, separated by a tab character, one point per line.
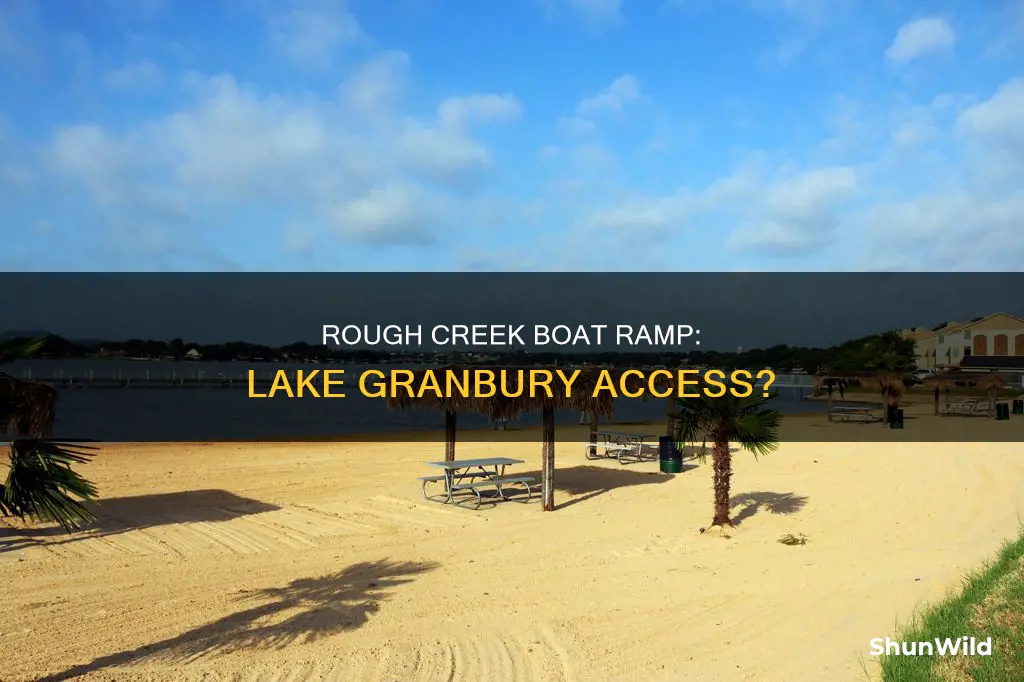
203	414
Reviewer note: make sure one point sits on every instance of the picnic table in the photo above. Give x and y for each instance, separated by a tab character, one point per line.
966	408
621	445
476	476
856	412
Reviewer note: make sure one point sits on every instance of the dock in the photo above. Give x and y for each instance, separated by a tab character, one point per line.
151	380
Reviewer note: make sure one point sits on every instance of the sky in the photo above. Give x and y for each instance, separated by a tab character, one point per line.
512	135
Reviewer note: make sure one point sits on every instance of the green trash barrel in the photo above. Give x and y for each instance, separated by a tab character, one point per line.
1018	406
670	459
895	418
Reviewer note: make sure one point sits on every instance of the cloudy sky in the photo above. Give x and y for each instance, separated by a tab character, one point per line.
512	135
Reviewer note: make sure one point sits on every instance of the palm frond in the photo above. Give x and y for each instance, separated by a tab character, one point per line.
42	485
748	421
19	350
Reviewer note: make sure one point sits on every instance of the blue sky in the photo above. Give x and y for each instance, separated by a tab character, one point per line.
558	135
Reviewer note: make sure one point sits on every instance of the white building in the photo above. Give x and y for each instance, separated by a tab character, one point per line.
998	334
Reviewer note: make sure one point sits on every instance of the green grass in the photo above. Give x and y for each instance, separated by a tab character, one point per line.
990	604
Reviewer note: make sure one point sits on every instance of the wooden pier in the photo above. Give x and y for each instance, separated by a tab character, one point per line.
151	380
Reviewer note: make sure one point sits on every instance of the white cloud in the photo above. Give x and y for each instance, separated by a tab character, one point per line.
622	90
354	163
790	214
961	231
659	214
298	239
311	31
397	213
799	214
102	163
136	75
920	38
576	126
459	112
592	157
550	151
1001	116
594	14
598	11
445	155
376	85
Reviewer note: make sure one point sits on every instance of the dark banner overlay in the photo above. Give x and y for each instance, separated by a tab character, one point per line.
313	357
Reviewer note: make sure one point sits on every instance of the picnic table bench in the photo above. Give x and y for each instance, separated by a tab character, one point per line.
967	408
476	476
863	413
620	445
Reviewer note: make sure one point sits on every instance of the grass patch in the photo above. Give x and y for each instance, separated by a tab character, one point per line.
991	604
793	540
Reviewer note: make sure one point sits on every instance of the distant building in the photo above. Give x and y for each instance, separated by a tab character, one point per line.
995	335
193	354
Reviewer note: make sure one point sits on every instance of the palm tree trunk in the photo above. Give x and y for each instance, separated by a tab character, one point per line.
721	459
450	418
592	449
547	457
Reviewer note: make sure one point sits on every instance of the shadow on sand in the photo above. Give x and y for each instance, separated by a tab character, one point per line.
590	481
122	514
774	503
302	611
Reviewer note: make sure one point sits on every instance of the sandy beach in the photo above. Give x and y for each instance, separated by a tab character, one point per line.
321	561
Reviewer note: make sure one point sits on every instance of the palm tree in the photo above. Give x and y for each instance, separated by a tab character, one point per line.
747	421
40	482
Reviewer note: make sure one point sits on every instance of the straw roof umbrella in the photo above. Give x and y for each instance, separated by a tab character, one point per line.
890	384
450	406
990	382
36	405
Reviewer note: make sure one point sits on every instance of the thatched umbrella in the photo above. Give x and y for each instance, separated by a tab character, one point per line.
496	408
515	401
988	381
28	407
890	384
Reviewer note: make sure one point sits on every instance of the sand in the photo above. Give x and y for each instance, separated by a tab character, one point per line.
322	562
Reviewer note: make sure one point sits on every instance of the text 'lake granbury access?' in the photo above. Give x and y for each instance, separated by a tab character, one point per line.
512	383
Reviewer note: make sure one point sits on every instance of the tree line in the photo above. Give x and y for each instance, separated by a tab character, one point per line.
889	351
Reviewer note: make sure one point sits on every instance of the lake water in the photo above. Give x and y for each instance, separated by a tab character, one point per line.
209	414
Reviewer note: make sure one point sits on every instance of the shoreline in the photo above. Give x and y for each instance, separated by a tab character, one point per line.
469	435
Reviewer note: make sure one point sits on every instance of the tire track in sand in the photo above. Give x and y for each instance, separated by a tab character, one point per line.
290	528
400	513
524	657
521	657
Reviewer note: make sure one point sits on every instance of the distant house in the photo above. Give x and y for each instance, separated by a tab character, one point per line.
193	354
995	335
924	345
